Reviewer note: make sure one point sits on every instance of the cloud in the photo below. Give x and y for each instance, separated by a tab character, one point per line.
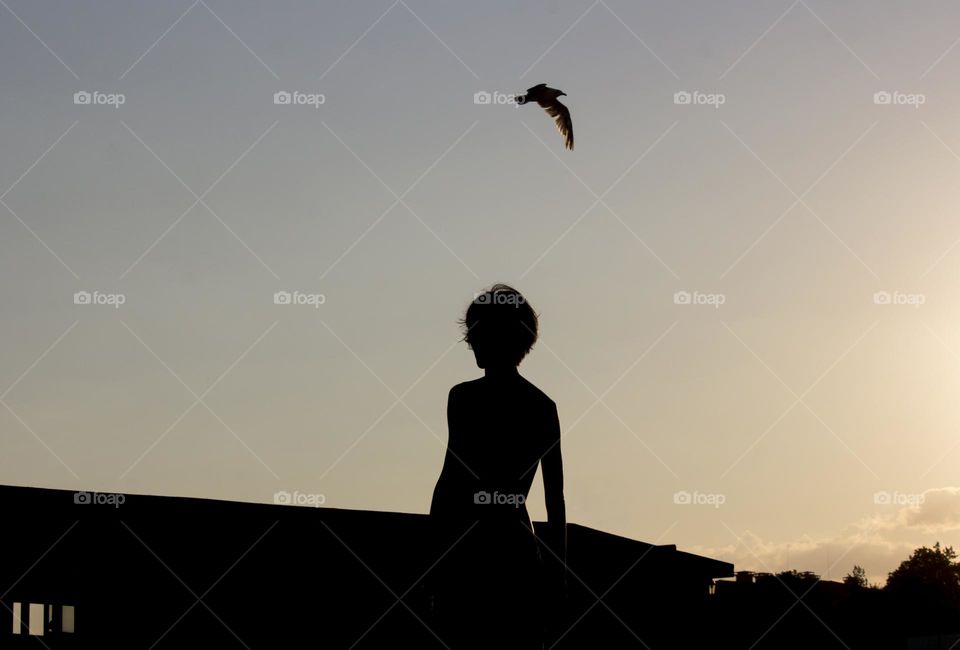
940	511
876	542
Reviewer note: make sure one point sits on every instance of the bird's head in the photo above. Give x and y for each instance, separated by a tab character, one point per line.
562	94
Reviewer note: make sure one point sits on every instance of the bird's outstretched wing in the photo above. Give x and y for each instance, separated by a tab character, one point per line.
561	115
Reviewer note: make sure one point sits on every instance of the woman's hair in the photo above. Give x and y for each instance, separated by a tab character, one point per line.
500	324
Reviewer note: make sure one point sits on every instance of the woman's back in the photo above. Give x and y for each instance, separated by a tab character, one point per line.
499	429
488	575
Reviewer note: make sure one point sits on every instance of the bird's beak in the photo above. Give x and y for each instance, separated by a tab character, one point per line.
563	93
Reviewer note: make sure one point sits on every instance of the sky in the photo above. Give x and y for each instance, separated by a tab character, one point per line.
746	271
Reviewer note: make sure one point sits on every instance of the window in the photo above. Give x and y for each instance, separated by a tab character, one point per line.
68	620
35	619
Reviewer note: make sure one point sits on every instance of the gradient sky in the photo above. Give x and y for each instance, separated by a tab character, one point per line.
796	401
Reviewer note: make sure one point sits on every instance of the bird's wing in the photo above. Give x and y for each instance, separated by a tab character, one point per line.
537	87
561	115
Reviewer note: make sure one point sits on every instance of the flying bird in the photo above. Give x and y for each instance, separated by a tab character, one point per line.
546	97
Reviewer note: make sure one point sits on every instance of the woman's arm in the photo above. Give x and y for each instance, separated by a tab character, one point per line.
441	492
552	465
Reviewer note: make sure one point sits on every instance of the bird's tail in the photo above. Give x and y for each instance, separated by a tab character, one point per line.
521	99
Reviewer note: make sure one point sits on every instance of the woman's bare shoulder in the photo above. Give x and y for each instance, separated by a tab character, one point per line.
478	387
537	394
465	386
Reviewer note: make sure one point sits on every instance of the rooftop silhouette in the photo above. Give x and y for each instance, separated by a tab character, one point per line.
137	570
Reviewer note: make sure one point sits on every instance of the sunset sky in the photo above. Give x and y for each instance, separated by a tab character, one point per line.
805	200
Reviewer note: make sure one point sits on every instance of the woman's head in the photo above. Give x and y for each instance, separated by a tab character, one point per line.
500	327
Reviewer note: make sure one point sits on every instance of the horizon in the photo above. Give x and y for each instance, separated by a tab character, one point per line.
237	242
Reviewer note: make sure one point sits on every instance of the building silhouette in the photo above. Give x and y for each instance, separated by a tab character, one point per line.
88	570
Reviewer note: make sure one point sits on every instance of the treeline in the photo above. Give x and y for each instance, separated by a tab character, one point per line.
921	598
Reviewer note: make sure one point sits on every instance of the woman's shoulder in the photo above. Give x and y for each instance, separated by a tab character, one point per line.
465	386
538	394
528	389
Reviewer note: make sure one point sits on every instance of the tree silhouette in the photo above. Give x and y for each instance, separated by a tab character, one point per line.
856	578
925	589
933	569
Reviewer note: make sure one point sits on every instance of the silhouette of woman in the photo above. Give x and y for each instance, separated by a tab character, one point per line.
488	581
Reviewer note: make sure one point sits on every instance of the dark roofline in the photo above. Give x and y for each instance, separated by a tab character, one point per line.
60	500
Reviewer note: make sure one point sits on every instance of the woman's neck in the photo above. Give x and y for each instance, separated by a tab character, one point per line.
501	371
